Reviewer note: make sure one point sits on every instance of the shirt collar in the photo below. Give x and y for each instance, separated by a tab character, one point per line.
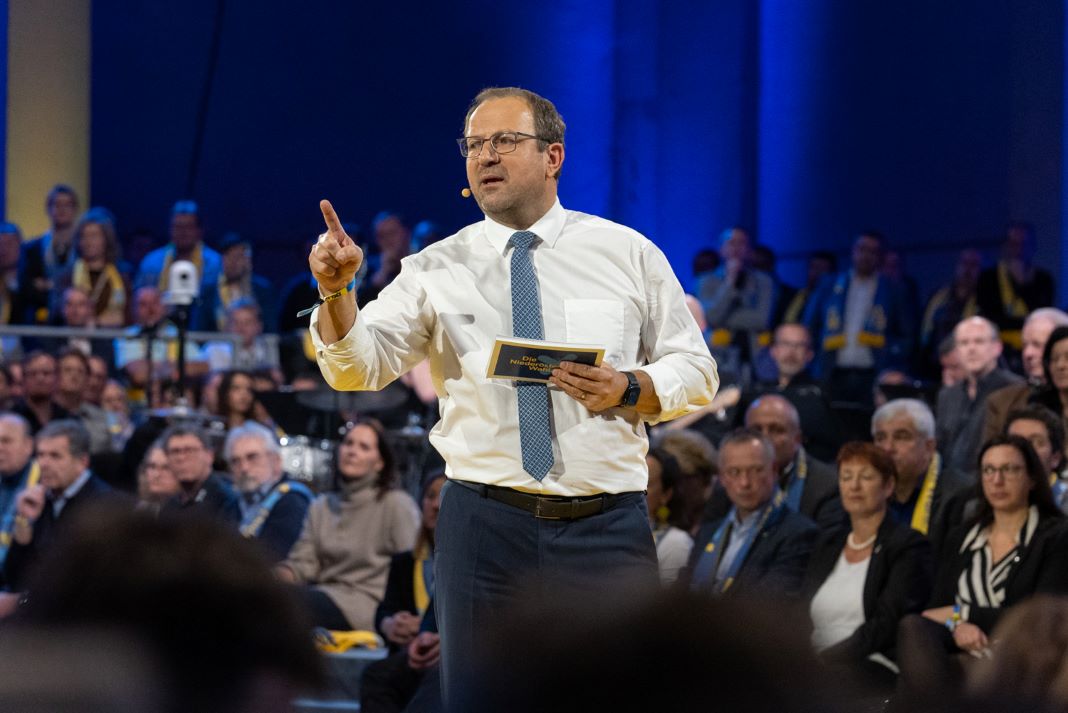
548	228
77	485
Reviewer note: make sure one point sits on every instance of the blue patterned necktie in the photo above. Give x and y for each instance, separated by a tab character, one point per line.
534	435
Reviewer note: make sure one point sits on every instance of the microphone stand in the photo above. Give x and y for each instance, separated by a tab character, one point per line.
149	334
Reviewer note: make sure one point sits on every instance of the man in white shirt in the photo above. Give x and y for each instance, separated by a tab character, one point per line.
560	504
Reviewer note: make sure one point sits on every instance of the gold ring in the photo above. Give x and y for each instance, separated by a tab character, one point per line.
582	395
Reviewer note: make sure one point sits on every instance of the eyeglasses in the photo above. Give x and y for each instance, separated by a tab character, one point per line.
1008	471
254	457
502	142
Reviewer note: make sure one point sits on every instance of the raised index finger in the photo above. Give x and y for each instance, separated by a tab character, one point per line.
332	222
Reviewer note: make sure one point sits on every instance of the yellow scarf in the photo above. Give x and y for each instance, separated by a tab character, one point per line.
422	596
1012	304
116	306
197	259
921	516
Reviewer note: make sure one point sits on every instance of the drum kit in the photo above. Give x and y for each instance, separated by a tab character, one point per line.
314	421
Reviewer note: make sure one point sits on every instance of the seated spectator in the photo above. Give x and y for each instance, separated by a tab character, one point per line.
761	547
253	351
203	492
71	389
44	257
952	372
117	411
76	311
863	578
342	556
156	483
273	505
37	405
737	298
1013	548
66	486
1045	432
194	602
187	243
95	269
236	283
905	429
1037	329
673	544
809	485
949	305
151	323
697	465
791	351
861	324
18	471
1054	394
410	587
1015	286
961	408
99	370
236	402
820	264
393	240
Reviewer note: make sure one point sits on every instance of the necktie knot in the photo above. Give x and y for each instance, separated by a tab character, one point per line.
523	239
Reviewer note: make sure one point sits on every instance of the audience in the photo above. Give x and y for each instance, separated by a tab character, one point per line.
66	485
905	430
273	505
1036	331
187	243
861	324
863	578
38	405
44	257
71	390
1054	393
737	298
95	269
342	556
1013	548
156	483
204	492
961	408
1015	286
760	547
236	283
673	544
950	304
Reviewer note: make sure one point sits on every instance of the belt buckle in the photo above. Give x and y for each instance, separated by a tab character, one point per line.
538	512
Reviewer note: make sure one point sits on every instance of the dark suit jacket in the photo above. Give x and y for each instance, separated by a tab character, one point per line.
776	562
1041	568
898	583
400	588
282	527
21	559
215	499
822	427
819	498
1000	404
960	419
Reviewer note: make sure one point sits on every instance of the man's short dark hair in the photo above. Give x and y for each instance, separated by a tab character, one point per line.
827	256
1037	412
745	435
58	190
73	430
186	429
548	124
76	354
33	355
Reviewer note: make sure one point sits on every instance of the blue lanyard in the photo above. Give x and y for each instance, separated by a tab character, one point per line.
705	570
253	521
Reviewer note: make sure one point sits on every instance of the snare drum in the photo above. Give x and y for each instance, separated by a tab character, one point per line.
309	460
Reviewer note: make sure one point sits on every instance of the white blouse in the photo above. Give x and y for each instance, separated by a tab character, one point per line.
838	608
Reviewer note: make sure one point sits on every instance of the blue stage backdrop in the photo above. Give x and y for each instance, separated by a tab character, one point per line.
806	121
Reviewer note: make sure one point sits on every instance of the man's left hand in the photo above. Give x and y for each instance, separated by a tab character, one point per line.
598	388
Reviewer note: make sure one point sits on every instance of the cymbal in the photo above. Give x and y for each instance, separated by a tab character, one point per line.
360	401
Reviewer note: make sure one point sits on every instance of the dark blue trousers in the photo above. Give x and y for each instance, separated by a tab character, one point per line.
490	558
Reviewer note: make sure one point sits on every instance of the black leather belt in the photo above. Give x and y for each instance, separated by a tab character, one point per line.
545	507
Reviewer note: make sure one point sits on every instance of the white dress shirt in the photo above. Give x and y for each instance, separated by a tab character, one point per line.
600	284
837	609
859	301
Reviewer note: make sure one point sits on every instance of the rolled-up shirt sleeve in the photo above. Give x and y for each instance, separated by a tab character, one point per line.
680	366
389	337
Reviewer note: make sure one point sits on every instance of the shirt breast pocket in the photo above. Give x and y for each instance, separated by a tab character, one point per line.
596	323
